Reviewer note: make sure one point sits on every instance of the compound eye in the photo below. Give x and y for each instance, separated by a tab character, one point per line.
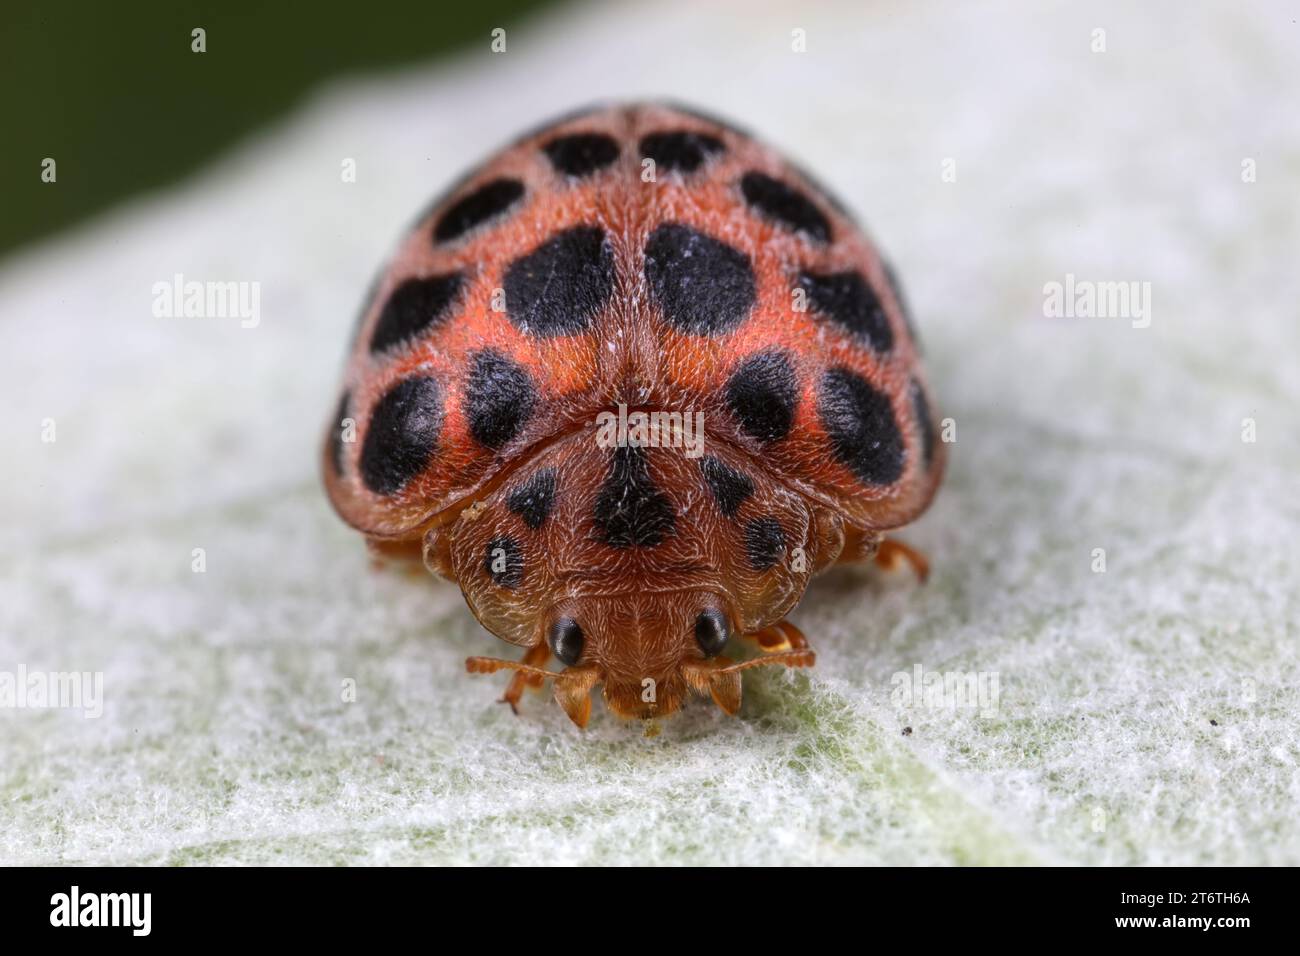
711	632
565	640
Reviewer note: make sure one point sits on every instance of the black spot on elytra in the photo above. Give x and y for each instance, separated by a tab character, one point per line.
702	285
560	286
504	562
921	409
785	205
896	288
403	434
499	398
336	433
415	306
863	432
762	394
630	510
829	195
847	299
581	154
489	200
729	487
534	499
764	543
680	151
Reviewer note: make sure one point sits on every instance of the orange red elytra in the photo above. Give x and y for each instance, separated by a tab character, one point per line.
520	404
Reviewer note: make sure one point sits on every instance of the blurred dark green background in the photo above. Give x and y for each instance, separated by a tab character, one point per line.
113	93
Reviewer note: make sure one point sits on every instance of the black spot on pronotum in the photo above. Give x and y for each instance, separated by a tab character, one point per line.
921	409
896	288
785	205
499	398
504	562
848	300
762	394
336	433
764	543
680	151
711	632
581	154
702	285
630	510
415	306
565	641
730	487
403	434
488	201
534	499
560	286
860	423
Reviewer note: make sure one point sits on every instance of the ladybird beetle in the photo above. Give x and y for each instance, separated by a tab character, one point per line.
630	384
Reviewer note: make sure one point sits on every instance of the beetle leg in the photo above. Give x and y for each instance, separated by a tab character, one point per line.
535	656
888	553
405	555
781	636
893	553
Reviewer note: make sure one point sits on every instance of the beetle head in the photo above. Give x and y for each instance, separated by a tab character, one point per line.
649	651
